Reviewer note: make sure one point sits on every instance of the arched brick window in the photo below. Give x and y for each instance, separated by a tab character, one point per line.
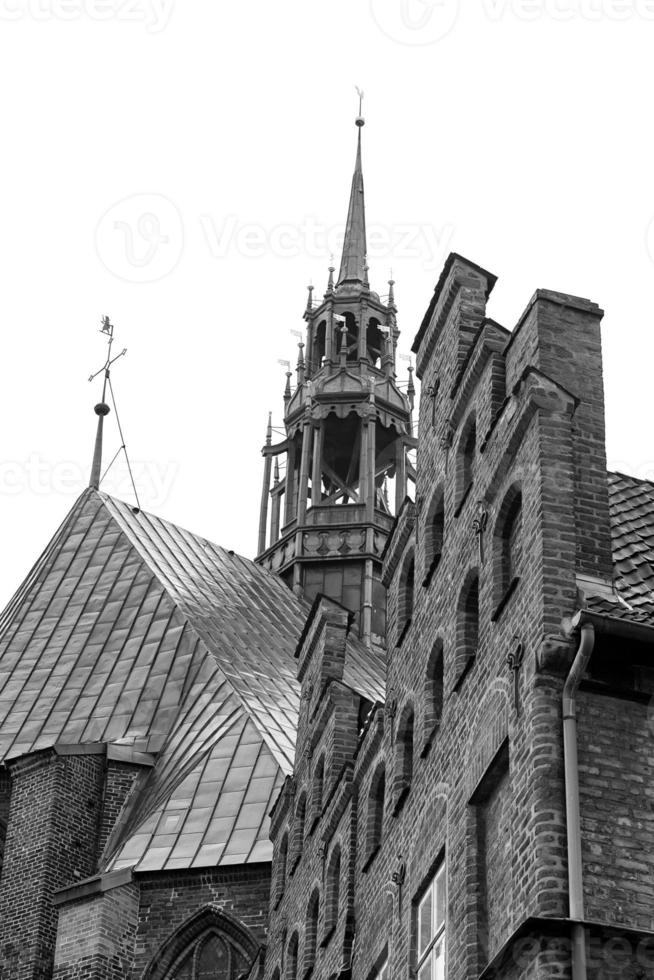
467	626
433	694
405	597
298	828
317	790
434	531
291	958
208	946
332	892
311	932
375	812
403	771
507	543
465	463
280	875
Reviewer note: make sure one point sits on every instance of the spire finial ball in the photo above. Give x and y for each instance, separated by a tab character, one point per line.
360	121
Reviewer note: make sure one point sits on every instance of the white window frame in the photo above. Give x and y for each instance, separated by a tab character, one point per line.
436	895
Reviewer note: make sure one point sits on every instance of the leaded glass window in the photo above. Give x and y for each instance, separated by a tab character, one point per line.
211	957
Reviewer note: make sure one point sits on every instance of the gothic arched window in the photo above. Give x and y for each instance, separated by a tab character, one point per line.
208	946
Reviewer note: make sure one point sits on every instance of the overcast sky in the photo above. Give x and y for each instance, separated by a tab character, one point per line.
184	167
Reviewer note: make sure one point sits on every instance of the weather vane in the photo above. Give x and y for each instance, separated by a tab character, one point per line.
107	329
102	409
360	94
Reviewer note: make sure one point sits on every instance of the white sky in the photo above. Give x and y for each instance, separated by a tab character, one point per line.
517	133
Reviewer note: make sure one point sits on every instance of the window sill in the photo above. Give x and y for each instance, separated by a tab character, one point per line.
464	497
502	604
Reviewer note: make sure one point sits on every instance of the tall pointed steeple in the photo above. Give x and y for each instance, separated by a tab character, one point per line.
347	438
353	259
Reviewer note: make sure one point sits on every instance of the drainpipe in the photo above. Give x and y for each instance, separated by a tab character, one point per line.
573	821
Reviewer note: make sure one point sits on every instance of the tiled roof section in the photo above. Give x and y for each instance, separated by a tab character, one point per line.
643	615
130	630
631	503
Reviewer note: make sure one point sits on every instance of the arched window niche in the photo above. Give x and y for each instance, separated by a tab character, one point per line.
465	461
467	627
405	596
507	549
434	534
433	696
332	893
375	814
311	932
403	762
211	945
298	830
317	791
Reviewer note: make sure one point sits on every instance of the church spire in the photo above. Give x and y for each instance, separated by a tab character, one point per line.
353	260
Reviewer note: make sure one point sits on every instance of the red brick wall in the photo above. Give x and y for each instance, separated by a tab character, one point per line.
51	842
169	899
616	772
96	936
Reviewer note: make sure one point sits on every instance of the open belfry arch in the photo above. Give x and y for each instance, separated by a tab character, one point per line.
346	468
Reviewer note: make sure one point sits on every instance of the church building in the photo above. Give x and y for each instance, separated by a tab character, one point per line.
411	739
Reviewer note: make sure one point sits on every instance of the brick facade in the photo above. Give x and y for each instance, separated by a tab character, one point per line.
509	530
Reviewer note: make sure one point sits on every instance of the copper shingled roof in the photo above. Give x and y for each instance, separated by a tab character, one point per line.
131	631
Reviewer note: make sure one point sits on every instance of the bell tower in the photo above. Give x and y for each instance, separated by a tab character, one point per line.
344	467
